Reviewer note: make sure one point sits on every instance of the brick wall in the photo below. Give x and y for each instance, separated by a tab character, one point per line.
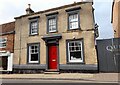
7	31
10	43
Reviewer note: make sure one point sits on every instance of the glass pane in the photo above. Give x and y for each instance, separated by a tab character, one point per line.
32	51
78	49
3	40
36	51
75	55
70	44
4	44
32	47
0	39
1	45
72	49
34	57
36	47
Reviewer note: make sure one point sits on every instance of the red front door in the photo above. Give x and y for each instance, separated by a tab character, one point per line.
52	57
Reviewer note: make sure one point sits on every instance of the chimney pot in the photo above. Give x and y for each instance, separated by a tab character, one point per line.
29	10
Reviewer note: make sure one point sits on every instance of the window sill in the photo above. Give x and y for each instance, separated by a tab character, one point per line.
33	34
34	63
52	32
74	30
75	62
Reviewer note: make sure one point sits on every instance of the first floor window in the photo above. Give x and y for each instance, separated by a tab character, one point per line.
52	24
73	21
34	27
75	51
34	53
3	42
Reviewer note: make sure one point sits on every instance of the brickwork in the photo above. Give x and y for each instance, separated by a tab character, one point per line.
10	43
7	31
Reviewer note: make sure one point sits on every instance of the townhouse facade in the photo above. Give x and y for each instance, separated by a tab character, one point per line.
116	18
57	39
6	46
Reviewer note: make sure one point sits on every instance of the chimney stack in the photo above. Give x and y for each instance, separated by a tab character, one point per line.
29	10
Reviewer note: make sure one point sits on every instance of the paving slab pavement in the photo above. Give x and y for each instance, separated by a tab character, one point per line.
96	77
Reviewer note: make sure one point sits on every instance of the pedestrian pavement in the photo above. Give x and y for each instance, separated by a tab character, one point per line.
96	77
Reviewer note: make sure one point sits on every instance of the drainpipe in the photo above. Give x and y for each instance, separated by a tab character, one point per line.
114	55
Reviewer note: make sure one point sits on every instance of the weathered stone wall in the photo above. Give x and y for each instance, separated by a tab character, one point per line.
22	37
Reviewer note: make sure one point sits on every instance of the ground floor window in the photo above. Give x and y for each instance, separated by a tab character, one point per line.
33	53
75	51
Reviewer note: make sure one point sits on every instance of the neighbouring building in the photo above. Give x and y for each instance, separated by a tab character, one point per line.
116	18
57	39
6	46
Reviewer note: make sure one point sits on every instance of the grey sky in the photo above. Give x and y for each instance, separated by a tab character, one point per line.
13	8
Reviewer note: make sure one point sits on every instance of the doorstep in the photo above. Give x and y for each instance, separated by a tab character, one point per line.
51	71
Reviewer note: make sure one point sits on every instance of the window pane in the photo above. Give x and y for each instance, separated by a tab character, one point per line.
1	45
75	55
32	47
36	50
32	51
34	57
70	44
3	40
4	44
72	48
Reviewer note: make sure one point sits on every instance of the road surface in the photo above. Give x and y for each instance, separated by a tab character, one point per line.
53	82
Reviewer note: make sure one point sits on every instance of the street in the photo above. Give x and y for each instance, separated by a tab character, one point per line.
51	82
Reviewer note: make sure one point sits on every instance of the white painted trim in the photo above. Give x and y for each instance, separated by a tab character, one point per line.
77	60
10	59
30	54
10	62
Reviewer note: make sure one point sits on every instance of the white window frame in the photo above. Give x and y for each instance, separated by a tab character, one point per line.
3	41
33	53
74	21
81	50
51	24
34	30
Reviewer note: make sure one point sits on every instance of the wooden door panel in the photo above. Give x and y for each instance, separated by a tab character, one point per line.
52	57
